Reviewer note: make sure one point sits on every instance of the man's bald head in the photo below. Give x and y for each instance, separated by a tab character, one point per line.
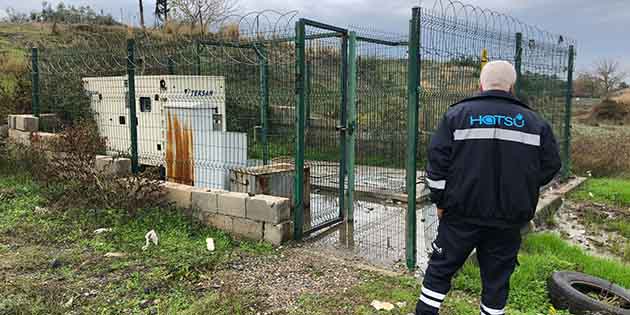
498	75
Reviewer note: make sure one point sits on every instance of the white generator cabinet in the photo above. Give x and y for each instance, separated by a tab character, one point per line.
181	125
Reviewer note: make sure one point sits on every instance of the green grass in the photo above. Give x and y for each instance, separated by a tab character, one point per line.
168	275
541	255
610	191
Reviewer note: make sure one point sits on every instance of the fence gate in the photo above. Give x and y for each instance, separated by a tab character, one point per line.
322	82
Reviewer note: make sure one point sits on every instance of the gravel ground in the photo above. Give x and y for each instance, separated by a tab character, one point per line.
279	280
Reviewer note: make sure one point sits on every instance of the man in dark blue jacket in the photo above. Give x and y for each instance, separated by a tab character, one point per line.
488	159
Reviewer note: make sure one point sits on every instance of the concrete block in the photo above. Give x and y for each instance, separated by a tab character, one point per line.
206	199
121	167
232	203
269	209
103	163
278	234
49	122
44	140
4	131
11	121
178	194
20	137
220	221
248	228
26	123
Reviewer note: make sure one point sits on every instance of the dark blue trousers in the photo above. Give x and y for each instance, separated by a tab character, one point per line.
497	250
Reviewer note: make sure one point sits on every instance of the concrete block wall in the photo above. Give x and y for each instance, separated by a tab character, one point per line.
24	129
258	217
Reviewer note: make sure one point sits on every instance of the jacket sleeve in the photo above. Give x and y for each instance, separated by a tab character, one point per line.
439	162
550	162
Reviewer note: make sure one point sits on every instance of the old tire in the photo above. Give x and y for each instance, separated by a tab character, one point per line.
567	290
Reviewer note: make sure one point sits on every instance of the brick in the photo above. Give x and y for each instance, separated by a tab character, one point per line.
278	234
178	194
220	221
26	123
232	203
20	137
269	209
247	228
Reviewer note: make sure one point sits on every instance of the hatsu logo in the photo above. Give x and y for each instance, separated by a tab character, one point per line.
191	92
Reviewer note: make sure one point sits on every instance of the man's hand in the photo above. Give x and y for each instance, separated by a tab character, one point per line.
440	213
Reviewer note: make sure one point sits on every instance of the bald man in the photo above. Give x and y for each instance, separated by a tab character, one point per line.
486	163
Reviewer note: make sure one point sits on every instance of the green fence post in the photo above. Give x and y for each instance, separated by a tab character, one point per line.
197	57
35	81
298	196
309	77
413	86
566	154
351	125
171	65
133	119
343	121
264	100
518	60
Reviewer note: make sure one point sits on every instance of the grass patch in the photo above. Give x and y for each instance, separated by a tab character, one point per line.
540	256
610	191
55	263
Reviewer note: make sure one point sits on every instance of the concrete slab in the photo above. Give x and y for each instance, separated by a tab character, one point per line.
206	199
269	209
248	228
232	203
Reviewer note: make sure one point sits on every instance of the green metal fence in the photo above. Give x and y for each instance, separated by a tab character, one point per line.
453	41
336	118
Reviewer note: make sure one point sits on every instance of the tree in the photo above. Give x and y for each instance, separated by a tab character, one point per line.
202	12
609	75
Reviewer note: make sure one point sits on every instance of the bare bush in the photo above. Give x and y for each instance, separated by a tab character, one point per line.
606	154
71	174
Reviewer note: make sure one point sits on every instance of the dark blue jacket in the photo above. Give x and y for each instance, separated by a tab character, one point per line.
488	159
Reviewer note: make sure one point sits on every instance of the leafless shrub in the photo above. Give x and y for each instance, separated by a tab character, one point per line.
74	180
601	155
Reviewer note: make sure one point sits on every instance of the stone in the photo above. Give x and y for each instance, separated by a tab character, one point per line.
26	123
269	209
277	234
232	203
222	222
249	229
178	194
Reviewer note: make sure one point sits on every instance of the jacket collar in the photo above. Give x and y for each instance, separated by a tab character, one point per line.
495	94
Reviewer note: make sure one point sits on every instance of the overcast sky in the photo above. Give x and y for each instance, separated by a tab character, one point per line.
600	27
